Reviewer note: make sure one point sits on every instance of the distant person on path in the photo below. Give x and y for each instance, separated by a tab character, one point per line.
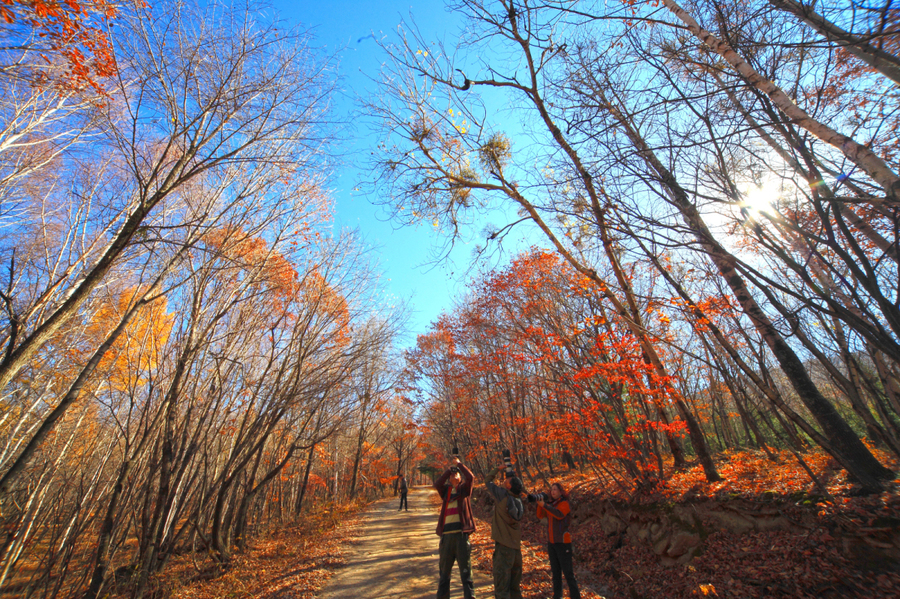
454	526
404	489
507	535
559	541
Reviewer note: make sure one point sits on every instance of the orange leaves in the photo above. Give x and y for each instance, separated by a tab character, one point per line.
139	348
254	256
279	289
254	252
716	305
316	481
330	304
74	30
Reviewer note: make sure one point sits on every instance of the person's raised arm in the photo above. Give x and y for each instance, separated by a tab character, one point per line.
440	485
468	478
496	491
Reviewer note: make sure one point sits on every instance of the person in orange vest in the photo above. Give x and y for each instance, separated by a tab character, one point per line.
559	540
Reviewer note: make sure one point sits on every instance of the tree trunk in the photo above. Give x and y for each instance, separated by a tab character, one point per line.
884	62
309	460
859	154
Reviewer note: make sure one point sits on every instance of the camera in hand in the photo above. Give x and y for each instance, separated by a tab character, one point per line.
507	464
535	497
454	453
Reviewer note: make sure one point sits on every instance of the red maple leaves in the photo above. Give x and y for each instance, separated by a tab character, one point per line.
73	33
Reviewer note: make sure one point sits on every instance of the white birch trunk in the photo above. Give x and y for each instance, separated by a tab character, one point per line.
862	156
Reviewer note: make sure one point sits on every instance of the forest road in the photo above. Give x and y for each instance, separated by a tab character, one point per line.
396	555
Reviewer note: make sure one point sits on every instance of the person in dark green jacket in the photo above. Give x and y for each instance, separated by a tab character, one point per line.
507	535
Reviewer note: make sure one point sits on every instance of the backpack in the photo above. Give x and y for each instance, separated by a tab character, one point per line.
514	507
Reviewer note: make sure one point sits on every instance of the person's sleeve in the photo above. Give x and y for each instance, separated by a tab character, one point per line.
468	479
496	491
557	512
540	513
492	474
440	485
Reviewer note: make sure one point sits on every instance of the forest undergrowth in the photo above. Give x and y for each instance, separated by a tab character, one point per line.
294	562
774	563
297	561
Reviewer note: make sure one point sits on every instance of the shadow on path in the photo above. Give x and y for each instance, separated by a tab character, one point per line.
396	555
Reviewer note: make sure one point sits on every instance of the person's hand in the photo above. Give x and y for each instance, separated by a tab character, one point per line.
455	462
540	502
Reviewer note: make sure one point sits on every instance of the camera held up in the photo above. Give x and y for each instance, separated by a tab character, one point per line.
516	487
454	453
535	497
507	463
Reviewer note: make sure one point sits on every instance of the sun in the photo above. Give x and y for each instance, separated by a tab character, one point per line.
761	199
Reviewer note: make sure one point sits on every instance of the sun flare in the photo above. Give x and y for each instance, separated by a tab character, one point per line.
761	199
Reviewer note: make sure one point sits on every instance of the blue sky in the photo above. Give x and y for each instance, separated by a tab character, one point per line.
339	25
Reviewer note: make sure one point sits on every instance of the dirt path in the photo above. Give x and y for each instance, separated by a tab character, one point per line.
396	556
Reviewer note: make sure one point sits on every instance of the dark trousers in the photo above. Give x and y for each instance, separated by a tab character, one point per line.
403	503
455	547
507	569
561	564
